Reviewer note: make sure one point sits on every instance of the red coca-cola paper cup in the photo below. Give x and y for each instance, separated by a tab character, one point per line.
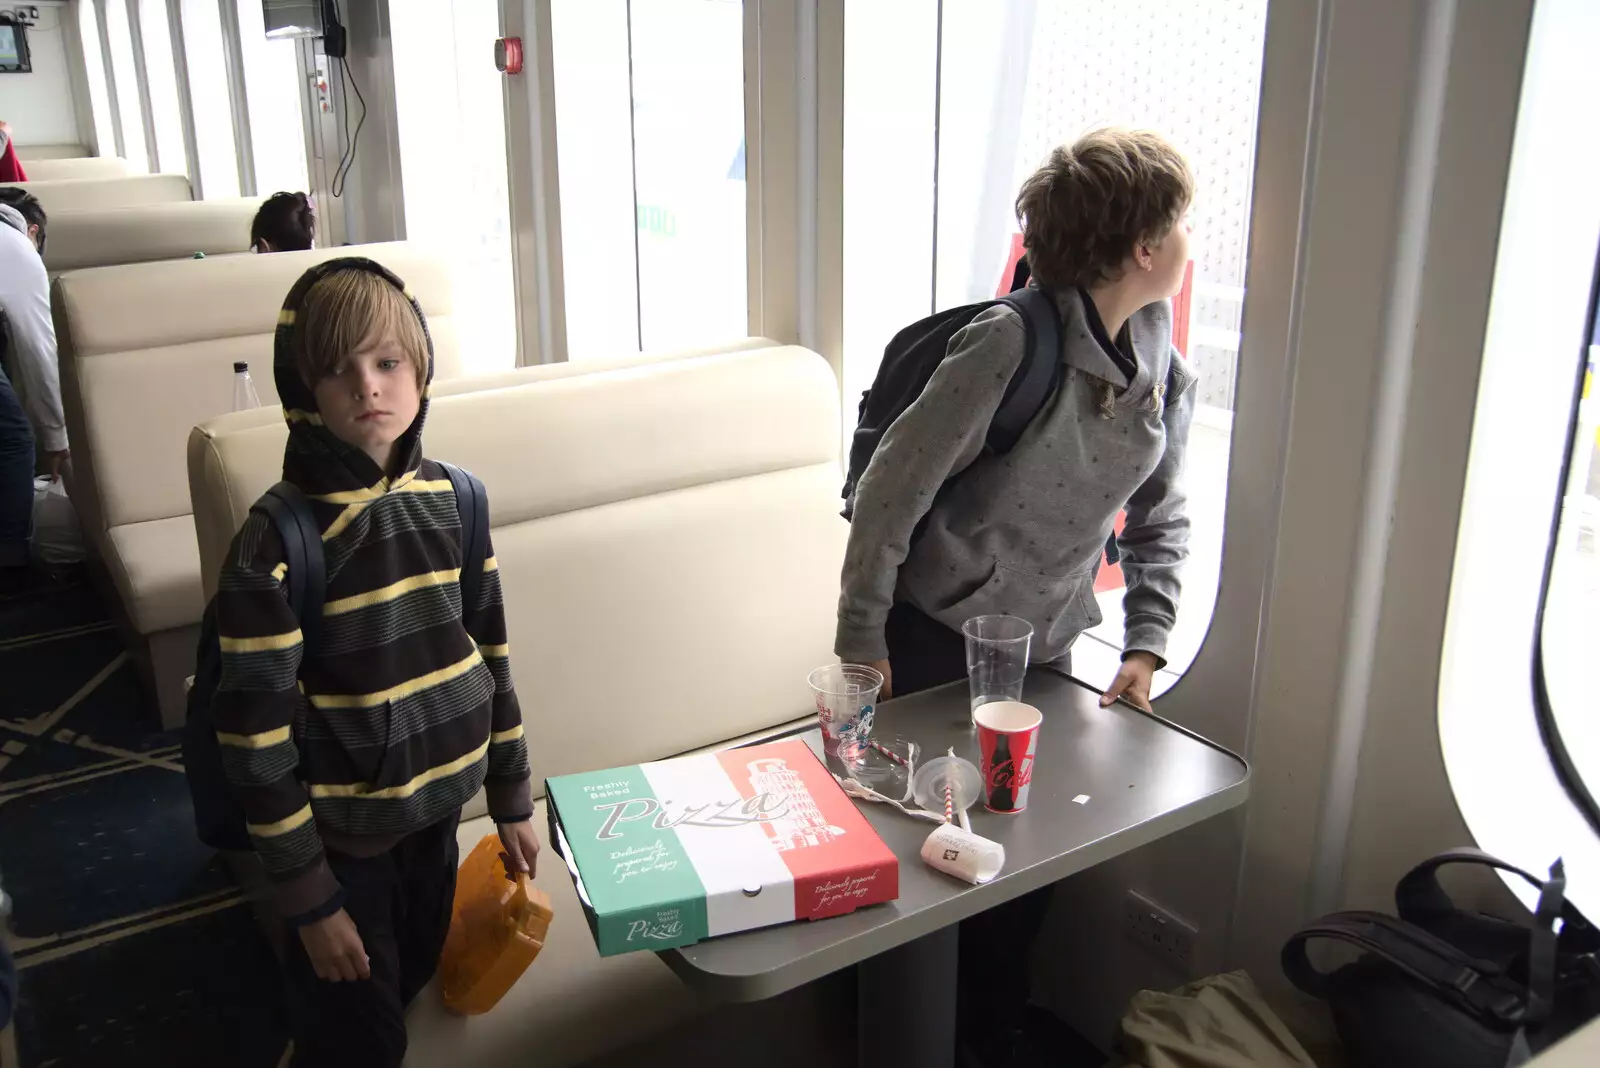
1008	737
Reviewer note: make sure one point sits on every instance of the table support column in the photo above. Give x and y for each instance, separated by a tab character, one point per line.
906	1002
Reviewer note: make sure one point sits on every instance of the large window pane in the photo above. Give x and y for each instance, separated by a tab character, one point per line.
1571	629
129	116
650	121
450	107
94	60
272	86
948	107
208	95
163	78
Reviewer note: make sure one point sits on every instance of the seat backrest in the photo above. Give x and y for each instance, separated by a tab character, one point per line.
103	237
75	194
147	352
29	153
668	541
55	170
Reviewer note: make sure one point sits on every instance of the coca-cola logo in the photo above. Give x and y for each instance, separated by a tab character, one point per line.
1006	775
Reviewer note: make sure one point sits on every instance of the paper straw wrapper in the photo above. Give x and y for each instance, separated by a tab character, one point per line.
963	854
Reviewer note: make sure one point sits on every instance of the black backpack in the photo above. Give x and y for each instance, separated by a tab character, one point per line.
217	815
1444	988
914	354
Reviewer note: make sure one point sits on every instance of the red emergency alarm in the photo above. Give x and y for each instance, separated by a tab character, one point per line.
508	55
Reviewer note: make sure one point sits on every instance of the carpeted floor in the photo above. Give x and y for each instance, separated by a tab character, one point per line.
133	945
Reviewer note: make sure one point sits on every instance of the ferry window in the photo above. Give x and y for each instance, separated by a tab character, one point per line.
272	88
650	125
450	107
124	72
1570	632
162	75
948	107
94	60
209	98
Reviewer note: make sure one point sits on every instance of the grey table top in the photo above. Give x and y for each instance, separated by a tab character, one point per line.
1144	776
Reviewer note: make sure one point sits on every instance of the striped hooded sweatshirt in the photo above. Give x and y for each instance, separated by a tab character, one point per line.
401	705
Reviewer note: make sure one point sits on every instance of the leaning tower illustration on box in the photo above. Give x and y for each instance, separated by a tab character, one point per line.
802	823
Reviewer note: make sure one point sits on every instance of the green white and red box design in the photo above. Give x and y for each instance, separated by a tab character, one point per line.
675	851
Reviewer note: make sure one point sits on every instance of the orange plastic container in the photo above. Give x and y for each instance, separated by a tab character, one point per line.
497	927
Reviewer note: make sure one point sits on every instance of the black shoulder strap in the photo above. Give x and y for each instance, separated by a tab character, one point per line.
1036	379
1477	986
307	575
1419	898
472	502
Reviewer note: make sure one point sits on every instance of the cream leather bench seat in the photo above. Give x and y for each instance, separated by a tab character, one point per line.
103	237
75	194
147	352
52	170
29	153
669	545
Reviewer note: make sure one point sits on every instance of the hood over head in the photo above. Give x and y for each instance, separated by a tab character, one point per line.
315	459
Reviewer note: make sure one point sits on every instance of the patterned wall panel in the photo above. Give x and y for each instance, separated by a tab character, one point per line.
1191	69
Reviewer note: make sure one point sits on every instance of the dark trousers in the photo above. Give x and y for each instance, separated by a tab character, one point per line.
400	901
995	944
16	477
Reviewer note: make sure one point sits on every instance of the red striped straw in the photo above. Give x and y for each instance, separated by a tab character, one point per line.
890	753
949	805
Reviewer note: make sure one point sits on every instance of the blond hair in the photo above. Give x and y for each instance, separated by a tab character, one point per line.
1094	201
350	308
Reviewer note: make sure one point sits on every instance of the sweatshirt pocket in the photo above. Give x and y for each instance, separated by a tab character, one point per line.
387	766
1060	607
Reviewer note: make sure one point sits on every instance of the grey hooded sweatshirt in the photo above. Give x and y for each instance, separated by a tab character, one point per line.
1023	533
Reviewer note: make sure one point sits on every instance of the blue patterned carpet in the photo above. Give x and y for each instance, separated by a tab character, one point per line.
133	945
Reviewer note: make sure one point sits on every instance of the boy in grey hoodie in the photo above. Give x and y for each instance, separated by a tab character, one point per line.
1104	223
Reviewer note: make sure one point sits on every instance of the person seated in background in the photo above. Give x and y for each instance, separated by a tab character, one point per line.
286	222
11	169
352	749
25	298
1104	224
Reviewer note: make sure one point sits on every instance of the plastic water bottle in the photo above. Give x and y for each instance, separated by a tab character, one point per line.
244	390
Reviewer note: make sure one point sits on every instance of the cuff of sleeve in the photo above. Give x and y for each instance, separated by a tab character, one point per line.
859	645
510	802
312	895
53	439
1146	638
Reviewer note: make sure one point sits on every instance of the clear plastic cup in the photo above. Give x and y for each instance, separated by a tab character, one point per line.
997	658
846	697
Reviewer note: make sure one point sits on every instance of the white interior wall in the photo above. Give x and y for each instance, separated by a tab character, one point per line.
40	106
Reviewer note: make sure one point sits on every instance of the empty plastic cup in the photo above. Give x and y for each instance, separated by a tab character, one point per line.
997	657
846	696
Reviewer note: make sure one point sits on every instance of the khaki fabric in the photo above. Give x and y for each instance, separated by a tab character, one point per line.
76	194
103	237
55	170
1218	1022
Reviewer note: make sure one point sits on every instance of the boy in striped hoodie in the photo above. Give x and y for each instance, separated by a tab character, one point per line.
352	755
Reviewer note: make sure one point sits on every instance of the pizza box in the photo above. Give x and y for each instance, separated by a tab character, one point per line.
672	852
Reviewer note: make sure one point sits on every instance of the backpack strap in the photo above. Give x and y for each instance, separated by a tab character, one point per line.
1036	379
472	502
1419	898
1476	986
286	505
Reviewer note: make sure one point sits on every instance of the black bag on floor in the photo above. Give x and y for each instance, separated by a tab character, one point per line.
218	817
1441	987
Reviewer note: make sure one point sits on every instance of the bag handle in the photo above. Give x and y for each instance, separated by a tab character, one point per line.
472	503
1033	383
307	575
1477	986
1420	899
